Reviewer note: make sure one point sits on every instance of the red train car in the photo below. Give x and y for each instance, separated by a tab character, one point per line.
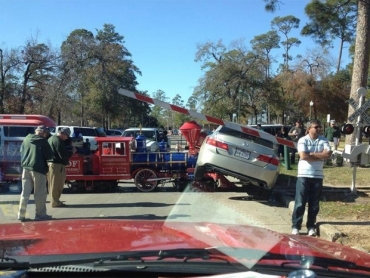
114	161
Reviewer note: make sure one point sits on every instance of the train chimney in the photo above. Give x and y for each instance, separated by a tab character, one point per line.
191	131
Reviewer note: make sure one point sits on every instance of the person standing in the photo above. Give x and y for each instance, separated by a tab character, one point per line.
57	165
133	143
332	133
165	138
282	133
295	133
313	149
35	151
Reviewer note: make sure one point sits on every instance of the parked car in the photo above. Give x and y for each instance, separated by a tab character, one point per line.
153	136
272	129
87	133
243	156
114	132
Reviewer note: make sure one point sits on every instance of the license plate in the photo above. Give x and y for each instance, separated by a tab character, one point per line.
242	154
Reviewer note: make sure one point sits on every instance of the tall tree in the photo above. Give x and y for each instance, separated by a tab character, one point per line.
158	112
98	67
330	20
225	80
9	63
263	45
37	68
285	25
361	56
77	56
177	119
115	70
362	50
2	82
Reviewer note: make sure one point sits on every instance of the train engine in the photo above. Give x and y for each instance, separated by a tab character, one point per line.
114	161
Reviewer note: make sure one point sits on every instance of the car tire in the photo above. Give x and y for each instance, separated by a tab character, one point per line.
199	172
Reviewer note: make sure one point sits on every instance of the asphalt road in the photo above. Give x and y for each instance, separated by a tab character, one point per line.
233	207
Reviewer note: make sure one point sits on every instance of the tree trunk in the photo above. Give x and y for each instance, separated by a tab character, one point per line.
361	59
340	55
2	83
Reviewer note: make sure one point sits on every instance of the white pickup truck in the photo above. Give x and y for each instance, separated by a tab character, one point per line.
152	134
87	133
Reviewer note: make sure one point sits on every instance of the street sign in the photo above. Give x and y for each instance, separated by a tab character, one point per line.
359	111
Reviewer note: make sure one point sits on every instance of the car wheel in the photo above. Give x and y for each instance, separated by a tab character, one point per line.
199	172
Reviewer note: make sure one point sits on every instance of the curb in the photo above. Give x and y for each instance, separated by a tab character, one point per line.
7	202
325	231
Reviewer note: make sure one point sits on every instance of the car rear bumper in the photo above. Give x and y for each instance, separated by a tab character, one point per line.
265	176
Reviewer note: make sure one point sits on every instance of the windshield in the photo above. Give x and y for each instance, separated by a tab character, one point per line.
187	138
149	134
18	131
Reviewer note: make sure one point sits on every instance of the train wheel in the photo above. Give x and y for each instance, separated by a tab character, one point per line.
141	180
77	187
181	184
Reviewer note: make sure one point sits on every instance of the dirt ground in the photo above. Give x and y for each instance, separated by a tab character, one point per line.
349	214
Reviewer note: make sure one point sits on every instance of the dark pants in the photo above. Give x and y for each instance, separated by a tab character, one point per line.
293	151
281	151
307	190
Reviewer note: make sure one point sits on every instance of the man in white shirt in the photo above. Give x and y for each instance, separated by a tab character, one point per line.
313	149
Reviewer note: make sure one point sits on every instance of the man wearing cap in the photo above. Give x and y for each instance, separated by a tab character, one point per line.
332	133
35	151
57	165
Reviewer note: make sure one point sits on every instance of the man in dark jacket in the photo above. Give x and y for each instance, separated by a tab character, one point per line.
296	132
57	165
35	151
332	133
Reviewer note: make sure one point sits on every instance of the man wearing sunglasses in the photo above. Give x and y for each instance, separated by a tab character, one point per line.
313	149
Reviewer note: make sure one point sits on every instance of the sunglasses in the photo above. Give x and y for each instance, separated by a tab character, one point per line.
317	126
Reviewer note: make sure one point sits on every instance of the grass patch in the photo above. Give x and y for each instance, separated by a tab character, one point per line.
352	212
341	176
344	211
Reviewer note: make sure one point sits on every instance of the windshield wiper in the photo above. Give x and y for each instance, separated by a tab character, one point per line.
227	255
184	254
7	262
307	261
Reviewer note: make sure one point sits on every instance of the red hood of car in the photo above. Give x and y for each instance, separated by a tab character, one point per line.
102	236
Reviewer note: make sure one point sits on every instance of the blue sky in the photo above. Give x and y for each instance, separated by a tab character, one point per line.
162	35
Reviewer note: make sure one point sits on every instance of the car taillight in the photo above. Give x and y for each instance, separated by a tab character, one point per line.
268	159
217	144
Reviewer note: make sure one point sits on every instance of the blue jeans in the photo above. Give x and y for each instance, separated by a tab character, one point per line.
307	190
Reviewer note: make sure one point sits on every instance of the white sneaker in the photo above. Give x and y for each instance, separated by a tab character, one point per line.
312	232
295	231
